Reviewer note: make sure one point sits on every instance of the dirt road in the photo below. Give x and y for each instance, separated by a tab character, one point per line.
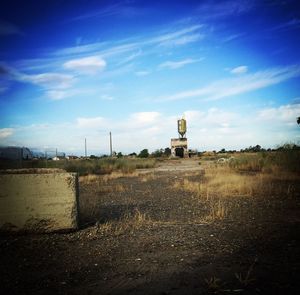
143	235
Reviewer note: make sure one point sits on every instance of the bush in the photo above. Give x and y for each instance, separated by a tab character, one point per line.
143	153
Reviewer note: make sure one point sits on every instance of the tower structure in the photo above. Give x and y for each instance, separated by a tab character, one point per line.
179	147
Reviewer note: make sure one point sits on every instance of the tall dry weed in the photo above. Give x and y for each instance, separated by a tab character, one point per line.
129	222
220	182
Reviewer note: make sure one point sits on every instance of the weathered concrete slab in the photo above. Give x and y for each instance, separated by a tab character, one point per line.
41	202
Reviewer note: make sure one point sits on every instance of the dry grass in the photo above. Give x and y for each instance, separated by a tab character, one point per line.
147	177
218	211
91	178
129	222
221	183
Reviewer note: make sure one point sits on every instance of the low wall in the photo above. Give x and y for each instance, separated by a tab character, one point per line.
41	202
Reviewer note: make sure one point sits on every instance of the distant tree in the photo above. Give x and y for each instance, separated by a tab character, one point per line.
119	155
298	120
93	157
143	153
133	155
222	151
288	147
157	153
167	151
256	148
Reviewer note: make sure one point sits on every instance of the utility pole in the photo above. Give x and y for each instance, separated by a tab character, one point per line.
110	141
85	147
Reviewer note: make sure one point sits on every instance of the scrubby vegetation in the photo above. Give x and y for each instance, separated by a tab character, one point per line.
87	166
270	162
108	165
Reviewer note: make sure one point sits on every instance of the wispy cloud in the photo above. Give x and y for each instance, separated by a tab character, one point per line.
168	38
232	37
183	40
221	9
81	49
107	97
117	9
130	58
49	80
179	37
86	65
233	86
142	73
177	64
59	94
289	25
239	70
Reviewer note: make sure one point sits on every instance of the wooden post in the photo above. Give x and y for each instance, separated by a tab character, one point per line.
110	141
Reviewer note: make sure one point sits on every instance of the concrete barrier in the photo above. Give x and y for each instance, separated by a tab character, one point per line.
41	202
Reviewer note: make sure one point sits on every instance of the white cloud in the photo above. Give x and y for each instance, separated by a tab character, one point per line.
239	70
144	117
284	114
86	65
233	86
178	64
6	132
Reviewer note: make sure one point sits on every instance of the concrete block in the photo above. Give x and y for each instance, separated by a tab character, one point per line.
38	202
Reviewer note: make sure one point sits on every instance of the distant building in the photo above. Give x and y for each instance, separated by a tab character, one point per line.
179	146
72	157
15	153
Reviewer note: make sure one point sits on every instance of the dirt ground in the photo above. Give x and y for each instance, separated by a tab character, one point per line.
142	235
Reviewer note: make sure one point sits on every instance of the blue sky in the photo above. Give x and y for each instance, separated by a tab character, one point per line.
71	70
